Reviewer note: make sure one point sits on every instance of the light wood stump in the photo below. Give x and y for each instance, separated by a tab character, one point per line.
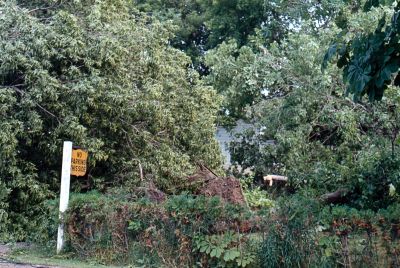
271	178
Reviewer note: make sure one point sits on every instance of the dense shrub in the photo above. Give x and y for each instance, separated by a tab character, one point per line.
3	211
362	237
303	233
325	142
305	127
188	230
370	181
182	231
290	234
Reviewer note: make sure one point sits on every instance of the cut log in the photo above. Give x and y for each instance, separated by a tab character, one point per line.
336	197
271	178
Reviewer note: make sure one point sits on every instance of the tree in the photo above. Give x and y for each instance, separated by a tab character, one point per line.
105	78
370	60
204	24
247	75
313	135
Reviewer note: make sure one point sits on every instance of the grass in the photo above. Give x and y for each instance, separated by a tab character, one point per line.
37	256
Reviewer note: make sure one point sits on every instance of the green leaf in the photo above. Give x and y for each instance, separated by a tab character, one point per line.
213	252
204	248
329	55
218	252
231	254
328	252
369	4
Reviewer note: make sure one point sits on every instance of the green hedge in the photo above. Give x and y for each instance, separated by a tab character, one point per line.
188	231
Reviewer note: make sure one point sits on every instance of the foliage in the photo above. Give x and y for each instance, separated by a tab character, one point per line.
362	235
237	19
239	90
226	249
372	179
390	224
96	226
111	230
102	75
204	24
326	143
205	232
3	212
188	17
249	75
303	233
315	136
289	241
123	84
45	234
256	197
245	61
370	62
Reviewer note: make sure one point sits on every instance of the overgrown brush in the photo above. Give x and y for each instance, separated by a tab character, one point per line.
304	233
198	231
290	234
110	230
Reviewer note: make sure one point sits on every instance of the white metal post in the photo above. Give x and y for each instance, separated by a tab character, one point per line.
64	192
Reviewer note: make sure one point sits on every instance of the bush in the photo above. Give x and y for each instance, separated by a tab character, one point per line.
312	133
371	180
290	234
4	235
362	237
110	230
97	227
303	233
189	230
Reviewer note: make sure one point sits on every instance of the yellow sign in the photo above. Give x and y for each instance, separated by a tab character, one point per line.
78	163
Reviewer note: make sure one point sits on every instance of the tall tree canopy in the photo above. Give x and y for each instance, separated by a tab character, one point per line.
204	24
212	33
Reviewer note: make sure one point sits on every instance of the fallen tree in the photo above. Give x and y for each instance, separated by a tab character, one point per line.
102	75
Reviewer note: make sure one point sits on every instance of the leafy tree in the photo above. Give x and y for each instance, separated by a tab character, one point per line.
102	75
370	60
315	136
189	20
250	74
244	72
231	35
204	24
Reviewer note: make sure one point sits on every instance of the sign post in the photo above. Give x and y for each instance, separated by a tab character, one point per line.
64	192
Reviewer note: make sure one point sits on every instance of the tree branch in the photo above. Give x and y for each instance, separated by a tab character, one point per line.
22	93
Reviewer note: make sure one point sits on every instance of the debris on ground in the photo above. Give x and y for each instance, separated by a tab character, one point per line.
151	192
210	184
